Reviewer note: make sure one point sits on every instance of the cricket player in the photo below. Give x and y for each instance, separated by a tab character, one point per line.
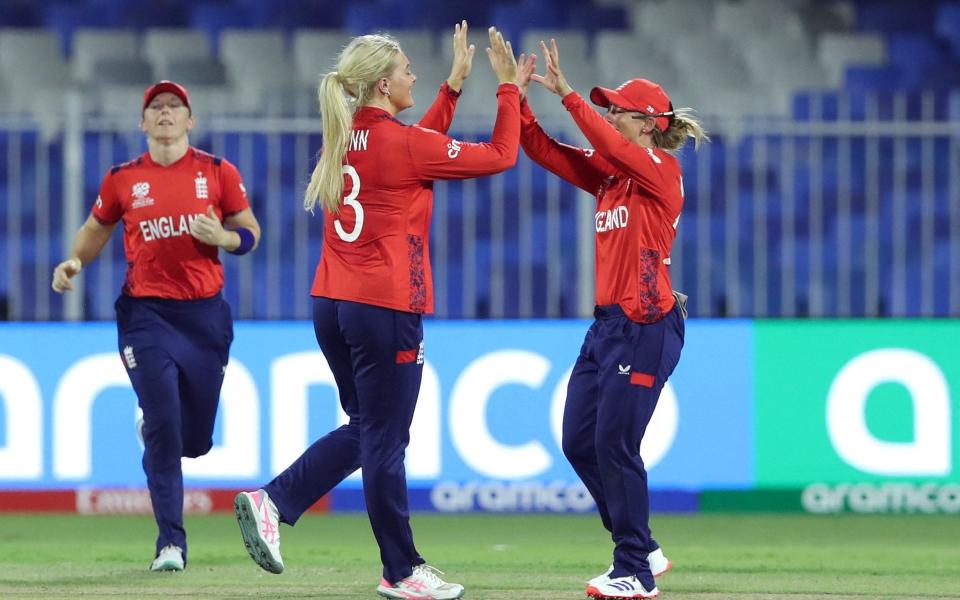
634	343
179	206
373	285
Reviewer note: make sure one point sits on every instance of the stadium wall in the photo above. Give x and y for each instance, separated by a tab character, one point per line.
818	416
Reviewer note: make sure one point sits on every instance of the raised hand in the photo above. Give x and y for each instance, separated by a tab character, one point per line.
462	57
553	80
526	67
208	229
501	57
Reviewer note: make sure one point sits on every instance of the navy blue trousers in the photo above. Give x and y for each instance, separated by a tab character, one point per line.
175	353
376	358
611	396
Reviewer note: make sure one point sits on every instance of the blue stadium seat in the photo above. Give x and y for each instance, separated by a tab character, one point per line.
514	19
894	16
20	13
914	50
214	17
64	19
295	14
440	15
591	19
873	79
371	17
948	25
159	13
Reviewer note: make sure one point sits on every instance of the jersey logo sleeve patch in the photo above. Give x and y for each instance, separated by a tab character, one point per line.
453	148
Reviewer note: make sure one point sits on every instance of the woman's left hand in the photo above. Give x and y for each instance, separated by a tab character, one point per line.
462	57
553	79
208	229
526	67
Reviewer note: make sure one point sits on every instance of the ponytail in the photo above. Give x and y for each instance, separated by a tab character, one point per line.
326	182
364	61
682	125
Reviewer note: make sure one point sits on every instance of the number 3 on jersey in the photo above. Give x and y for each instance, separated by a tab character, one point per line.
351	201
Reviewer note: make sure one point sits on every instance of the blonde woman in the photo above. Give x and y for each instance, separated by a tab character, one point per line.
373	285
634	343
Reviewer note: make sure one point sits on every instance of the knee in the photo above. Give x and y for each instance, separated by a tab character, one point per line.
578	449
610	448
193	449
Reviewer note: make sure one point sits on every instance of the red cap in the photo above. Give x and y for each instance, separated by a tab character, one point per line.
641	95
166	86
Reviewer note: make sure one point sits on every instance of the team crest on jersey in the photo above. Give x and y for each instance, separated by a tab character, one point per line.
201	181
141	194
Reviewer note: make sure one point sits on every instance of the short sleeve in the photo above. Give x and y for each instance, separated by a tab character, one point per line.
108	208
233	195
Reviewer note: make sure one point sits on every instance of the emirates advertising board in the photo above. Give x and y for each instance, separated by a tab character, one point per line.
853	416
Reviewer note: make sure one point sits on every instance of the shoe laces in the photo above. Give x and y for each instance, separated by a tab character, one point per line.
430	574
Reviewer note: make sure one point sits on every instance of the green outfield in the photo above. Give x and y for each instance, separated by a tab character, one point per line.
496	557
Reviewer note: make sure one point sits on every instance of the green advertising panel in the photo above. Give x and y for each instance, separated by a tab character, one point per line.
859	403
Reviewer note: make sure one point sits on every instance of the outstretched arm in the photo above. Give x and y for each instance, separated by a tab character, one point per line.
436	156
579	166
635	161
440	114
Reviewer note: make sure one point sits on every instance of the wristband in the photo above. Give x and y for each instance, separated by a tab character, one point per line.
246	241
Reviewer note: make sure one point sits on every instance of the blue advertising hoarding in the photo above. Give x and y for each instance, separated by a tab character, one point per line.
489	409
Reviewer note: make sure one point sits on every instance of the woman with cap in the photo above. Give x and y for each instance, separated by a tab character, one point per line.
374	182
179	206
634	342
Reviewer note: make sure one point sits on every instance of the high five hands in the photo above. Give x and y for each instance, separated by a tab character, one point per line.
462	57
501	57
553	79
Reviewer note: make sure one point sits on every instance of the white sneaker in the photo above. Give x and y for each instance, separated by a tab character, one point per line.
423	584
621	587
659	564
169	559
260	527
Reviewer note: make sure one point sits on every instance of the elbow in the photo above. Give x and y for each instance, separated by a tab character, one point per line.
508	159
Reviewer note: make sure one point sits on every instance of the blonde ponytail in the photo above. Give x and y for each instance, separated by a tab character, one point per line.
683	125
364	61
326	182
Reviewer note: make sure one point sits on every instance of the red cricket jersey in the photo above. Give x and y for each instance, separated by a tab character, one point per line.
639	195
376	249
157	204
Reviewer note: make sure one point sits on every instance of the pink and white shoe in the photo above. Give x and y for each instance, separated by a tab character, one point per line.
659	564
423	584
620	588
260	527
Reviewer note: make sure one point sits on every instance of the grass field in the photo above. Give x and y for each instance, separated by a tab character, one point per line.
527	557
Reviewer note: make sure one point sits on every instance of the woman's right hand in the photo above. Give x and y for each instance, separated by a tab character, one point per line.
63	273
501	57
